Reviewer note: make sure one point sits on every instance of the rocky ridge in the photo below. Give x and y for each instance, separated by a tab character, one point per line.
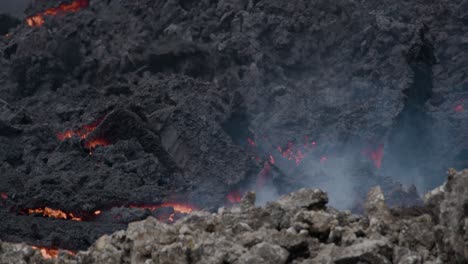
298	228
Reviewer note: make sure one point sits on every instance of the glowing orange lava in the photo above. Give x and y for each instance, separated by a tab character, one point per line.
82	133
51	253
38	19
92	144
52	213
179	208
57	214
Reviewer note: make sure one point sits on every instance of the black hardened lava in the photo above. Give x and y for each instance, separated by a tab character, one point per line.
113	111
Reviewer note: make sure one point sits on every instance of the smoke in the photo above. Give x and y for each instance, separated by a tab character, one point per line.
14	7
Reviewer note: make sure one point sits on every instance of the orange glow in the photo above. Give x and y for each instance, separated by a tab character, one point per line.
38	19
296	154
82	133
92	144
51	253
234	197
178	208
58	214
4	195
98	212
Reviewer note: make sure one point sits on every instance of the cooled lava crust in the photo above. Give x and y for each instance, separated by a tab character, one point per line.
112	111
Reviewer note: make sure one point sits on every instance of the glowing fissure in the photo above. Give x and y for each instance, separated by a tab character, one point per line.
57	214
179	208
38	20
83	134
292	152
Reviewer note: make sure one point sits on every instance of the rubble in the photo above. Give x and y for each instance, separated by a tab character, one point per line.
238	235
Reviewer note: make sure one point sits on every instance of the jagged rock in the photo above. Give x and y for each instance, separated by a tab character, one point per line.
368	251
305	198
194	79
453	217
247	234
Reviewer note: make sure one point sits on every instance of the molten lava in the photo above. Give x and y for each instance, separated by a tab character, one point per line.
82	133
4	196
179	208
38	19
51	253
92	144
57	214
52	213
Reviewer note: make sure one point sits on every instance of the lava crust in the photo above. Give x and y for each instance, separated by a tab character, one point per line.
123	107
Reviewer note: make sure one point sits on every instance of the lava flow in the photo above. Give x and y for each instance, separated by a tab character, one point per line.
38	19
57	214
51	253
92	144
83	133
293	152
179	208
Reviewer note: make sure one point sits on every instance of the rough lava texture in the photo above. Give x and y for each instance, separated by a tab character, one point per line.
298	228
175	87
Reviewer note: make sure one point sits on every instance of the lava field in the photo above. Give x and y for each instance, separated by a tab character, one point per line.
113	111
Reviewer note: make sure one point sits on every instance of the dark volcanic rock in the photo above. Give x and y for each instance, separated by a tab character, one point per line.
158	98
239	235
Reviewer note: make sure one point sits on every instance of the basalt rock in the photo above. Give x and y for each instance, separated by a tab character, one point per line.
238	235
136	103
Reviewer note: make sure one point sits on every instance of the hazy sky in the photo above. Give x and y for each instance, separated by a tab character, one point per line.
15	7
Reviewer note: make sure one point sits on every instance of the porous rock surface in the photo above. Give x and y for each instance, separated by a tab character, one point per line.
180	84
298	228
